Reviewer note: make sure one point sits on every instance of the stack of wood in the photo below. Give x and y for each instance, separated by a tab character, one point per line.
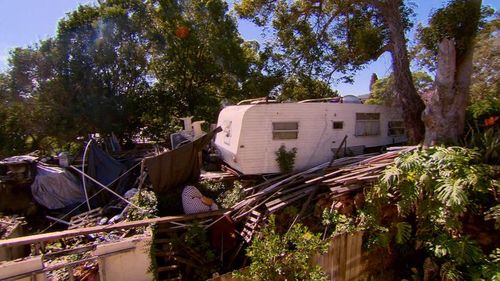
353	177
344	176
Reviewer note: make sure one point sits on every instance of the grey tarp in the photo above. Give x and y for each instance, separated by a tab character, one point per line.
178	166
56	188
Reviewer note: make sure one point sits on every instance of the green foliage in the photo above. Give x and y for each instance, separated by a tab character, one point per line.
448	175
147	201
486	141
286	158
13	136
485	87
286	256
485	105
459	20
491	268
340	223
232	196
383	90
324	40
226	194
432	190
127	67
197	58
196	238
302	87
213	186
331	41
403	233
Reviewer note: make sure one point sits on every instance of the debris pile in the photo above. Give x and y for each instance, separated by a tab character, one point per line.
105	199
9	224
327	184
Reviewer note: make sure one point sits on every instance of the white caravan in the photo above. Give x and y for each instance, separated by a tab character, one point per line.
253	133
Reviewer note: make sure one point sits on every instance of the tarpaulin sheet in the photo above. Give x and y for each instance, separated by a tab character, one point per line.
56	188
178	166
105	169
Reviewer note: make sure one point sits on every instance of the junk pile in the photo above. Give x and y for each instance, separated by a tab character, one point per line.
16	175
97	198
55	190
332	185
9	225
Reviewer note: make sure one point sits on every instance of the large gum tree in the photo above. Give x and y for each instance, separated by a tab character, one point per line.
450	37
325	38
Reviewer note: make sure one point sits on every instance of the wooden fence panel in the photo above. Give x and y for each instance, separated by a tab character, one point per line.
344	259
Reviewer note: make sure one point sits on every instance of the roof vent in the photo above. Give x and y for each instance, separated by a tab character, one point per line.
351	99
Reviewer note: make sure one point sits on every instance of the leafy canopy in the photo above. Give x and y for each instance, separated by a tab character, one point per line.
322	38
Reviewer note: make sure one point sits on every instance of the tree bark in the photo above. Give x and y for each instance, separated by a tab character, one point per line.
444	115
407	95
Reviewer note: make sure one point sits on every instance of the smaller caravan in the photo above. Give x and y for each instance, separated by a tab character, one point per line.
252	133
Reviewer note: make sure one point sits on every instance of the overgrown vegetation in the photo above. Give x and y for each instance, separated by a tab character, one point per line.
196	238
486	141
338	223
146	199
287	256
225	194
425	207
286	158
231	196
128	67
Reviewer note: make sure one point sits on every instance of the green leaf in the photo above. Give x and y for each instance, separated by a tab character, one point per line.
403	232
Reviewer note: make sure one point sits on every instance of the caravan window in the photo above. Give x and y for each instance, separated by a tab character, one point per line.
367	124
396	128
285	130
337	125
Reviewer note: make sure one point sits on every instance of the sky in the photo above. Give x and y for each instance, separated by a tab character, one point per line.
26	22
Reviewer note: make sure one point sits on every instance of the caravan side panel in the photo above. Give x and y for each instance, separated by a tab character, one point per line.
310	128
258	145
227	141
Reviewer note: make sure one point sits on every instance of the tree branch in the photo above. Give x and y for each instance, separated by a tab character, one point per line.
385	48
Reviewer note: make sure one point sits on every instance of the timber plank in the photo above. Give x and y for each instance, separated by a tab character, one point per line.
336	258
342	260
349	256
25	240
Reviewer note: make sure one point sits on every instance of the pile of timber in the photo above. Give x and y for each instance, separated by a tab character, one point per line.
345	175
218	176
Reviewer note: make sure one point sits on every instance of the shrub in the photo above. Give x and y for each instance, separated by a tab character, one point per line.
286	158
285	257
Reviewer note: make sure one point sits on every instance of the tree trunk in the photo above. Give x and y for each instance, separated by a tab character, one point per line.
444	115
407	95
